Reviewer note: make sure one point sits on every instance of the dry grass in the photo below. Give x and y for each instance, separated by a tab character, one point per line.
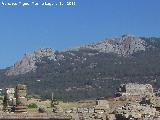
63	105
39	102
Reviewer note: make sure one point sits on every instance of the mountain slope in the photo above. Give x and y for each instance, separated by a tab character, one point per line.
28	62
90	71
124	46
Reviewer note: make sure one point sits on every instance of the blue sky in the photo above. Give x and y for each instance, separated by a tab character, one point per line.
25	29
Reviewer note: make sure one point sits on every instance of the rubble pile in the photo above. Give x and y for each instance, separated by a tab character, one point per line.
135	111
146	107
134	101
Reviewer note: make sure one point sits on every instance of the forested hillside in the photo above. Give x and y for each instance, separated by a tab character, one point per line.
86	73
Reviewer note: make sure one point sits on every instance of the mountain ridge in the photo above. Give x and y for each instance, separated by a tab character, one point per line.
125	46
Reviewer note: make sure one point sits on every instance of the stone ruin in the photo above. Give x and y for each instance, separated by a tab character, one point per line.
134	89
21	100
135	111
147	108
101	106
15	99
9	99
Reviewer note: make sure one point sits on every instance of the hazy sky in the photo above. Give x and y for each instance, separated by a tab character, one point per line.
24	29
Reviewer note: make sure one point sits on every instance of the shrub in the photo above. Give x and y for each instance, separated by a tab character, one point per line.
32	105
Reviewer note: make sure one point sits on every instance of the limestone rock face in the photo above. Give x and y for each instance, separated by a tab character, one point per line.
28	62
125	45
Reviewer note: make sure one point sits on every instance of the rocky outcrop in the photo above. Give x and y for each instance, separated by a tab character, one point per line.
28	62
125	45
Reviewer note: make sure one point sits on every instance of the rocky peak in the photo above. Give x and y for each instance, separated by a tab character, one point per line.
125	45
28	62
44	52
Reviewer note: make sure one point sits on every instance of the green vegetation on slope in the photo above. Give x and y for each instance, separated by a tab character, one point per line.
87	74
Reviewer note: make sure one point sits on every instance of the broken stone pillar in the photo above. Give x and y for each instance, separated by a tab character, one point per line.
21	100
9	99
